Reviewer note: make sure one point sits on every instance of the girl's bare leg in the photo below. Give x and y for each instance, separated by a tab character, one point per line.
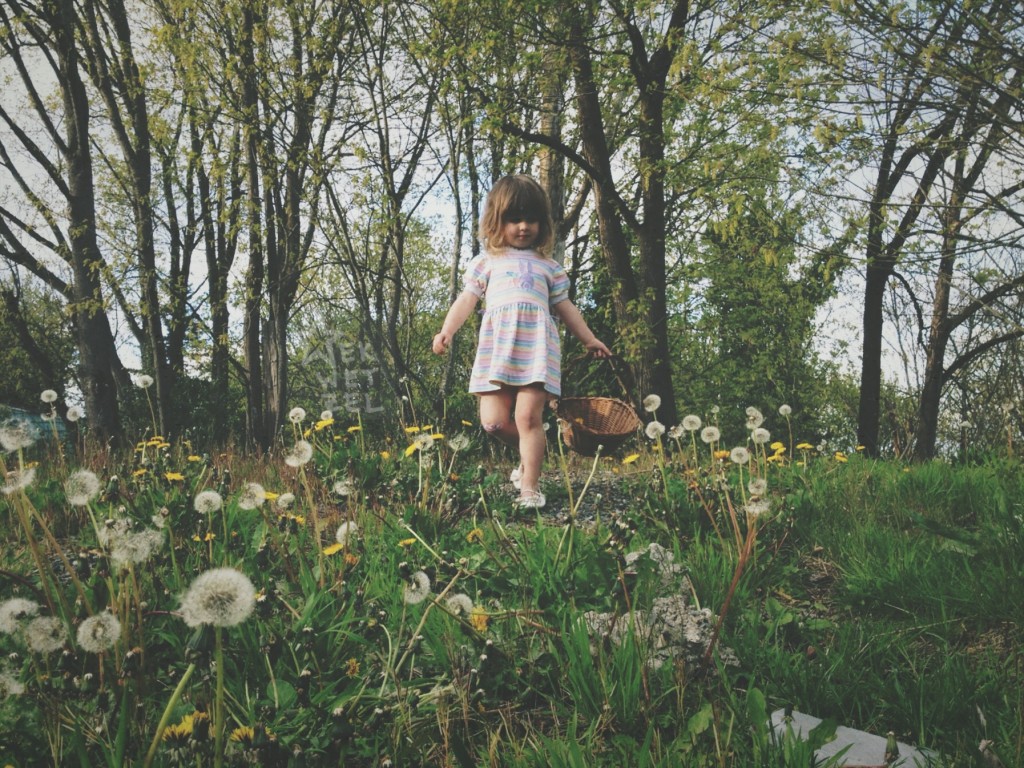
529	421
496	415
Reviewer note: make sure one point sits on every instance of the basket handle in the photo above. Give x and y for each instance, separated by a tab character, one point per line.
620	370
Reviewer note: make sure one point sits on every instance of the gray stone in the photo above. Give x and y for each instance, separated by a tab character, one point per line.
863	750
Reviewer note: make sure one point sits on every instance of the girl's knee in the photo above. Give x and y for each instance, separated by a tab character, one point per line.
492	427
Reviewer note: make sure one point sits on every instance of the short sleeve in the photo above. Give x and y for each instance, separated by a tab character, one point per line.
559	290
477	275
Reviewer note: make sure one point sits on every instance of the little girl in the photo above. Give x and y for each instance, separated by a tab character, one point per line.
518	357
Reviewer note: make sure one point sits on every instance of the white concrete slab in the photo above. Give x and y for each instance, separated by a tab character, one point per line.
865	750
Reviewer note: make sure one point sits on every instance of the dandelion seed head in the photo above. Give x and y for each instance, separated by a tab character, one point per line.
710	435
676	432
755	508
344	487
143	381
207	502
785	410
326	415
654	430
99	633
299	454
16	434
754	418
10	685
136	547
48	396
652	403
460	604
18	479
424	441
81	487
760	435
285	500
346	531
739	455
222	597
459	442
417	588
253	496
45	634
13	611
297	415
691	423
758	486
75	413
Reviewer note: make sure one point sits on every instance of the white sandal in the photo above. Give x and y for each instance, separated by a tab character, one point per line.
531	500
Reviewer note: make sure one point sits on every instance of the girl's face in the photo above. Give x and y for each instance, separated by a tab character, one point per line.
520	230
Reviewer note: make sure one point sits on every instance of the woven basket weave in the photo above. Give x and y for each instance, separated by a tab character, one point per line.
589	422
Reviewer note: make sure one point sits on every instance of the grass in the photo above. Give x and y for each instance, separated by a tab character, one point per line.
872	594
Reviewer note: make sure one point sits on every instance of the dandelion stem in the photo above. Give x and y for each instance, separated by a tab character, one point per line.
165	718
218	711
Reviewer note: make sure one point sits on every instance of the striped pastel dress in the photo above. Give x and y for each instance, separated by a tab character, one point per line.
519	341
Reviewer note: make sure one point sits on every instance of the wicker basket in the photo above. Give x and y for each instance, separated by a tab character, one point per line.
589	422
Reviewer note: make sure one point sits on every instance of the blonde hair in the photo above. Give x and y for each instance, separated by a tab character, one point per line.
518	195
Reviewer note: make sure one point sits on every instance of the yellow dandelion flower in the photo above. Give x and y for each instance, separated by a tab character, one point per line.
631	458
333	549
721	454
300	519
467	423
244	733
139	472
804	446
172	476
860	448
193	458
385	455
840	457
154	441
438	435
479	618
411	449
270	495
210	535
352	668
778	446
323	424
355	428
411	430
427	427
351	559
407	542
475	535
164	444
775	457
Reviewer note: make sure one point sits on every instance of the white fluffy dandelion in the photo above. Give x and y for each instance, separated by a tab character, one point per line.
756	508
739	455
424	441
652	403
710	435
785	410
99	633
75	413
758	486
10	685
15	610
16	434
297	415
654	430
143	381
691	422
18	479
344	487
754	418
459	442
81	487
460	604
135	548
285	500
252	496
222	597
299	454
45	634
417	589
48	396
345	532
326	415
760	435
207	502
676	432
